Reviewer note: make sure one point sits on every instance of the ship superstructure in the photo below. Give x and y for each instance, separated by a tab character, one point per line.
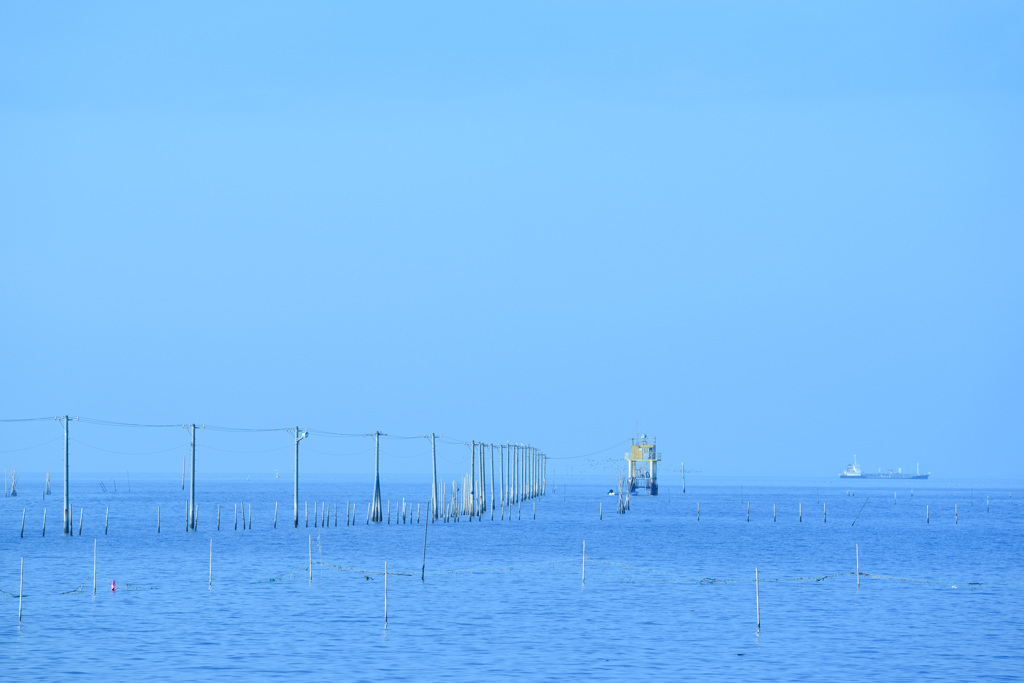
643	465
854	472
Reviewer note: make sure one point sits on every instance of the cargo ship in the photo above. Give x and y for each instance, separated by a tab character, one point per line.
853	472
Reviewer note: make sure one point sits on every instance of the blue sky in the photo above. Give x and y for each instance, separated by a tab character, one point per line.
772	234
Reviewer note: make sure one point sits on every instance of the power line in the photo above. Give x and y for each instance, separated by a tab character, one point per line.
105	450
28	448
587	455
109	423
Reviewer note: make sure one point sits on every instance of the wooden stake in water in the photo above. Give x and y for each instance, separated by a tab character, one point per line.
748	512
21	586
250	516
44	521
757	600
275	514
211	564
698	512
385	594
158	519
927	516
956	517
584	581
23	522
773	513
801	512
94	566
600	510
824	513
218	516
857	550
81	511
307	514
535	511
106	519
236	515
423	568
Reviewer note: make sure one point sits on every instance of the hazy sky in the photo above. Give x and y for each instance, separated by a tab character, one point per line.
773	234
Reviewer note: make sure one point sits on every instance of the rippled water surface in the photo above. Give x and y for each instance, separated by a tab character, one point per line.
666	595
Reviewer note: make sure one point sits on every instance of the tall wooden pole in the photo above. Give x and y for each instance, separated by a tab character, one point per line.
299	436
375	514
501	461
433	489
192	483
67	490
492	482
472	481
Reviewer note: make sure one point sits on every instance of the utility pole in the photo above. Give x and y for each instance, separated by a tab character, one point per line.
433	490
192	484
375	515
295	500
67	489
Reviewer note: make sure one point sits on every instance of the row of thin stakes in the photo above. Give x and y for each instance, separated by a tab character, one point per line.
800	511
67	524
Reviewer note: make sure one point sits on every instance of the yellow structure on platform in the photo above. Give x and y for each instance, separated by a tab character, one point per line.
643	465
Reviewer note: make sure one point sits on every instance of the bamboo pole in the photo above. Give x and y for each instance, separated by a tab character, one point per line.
106	519
824	513
748	511
773	513
23	522
600	510
385	594
801	512
757	599
218	516
307	513
211	564
44	522
956	516
275	514
236	516
698	511
81	512
158	519
927	516
94	567
250	515
21	586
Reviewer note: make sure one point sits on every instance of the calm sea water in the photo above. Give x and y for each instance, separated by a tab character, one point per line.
665	595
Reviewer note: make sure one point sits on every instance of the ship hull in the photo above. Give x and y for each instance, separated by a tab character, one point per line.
883	476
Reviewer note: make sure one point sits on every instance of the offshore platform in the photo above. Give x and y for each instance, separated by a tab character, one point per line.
643	465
